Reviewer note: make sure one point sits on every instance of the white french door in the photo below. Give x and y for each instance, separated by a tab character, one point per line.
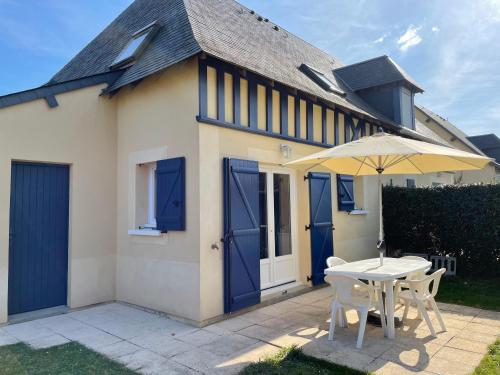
277	222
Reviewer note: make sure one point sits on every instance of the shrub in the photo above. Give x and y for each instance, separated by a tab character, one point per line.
461	221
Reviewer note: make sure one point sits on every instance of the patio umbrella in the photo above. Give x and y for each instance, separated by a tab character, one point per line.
383	153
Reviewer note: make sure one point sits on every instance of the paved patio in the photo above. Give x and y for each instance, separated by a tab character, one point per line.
153	344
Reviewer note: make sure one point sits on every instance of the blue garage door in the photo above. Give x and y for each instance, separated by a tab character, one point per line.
38	237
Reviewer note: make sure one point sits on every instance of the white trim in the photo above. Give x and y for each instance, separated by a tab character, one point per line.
151	216
134	158
144	232
269	170
359	212
281	288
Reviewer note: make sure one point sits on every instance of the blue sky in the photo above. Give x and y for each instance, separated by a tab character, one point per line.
452	51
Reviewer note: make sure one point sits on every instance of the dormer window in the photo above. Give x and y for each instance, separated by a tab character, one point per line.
321	80
138	43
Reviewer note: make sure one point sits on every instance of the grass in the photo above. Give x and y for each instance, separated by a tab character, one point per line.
490	364
291	361
71	358
481	293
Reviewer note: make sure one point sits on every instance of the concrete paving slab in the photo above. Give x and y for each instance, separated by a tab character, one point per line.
153	344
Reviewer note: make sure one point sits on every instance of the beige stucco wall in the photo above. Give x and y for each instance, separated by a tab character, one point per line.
355	235
486	175
157	120
80	132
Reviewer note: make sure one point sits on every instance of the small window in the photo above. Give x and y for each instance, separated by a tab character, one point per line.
145	210
410	183
321	79
137	44
345	192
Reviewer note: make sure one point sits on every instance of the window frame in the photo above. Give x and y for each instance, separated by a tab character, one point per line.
411	183
320	79
151	209
150	31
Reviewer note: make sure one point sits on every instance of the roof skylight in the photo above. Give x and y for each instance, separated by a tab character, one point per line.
140	40
321	80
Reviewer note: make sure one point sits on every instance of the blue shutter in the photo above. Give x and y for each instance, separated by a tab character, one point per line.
345	192
321	224
171	194
241	234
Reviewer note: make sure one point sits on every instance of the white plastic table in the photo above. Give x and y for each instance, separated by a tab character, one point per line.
370	269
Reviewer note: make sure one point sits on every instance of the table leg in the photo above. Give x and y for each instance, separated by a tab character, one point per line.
389	309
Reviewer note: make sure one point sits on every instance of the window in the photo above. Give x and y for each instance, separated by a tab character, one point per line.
410	183
145	211
321	79
160	204
136	46
345	192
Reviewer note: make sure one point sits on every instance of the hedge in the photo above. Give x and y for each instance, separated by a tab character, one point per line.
460	221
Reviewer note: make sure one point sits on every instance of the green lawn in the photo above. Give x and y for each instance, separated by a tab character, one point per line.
71	358
484	294
490	365
291	361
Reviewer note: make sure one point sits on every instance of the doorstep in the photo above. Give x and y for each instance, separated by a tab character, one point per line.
37	314
269	297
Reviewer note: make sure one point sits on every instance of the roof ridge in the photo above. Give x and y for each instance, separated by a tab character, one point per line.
364	62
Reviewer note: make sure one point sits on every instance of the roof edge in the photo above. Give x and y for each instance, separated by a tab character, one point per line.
49	90
461	137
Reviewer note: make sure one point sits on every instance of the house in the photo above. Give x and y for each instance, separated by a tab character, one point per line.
452	136
149	169
489	144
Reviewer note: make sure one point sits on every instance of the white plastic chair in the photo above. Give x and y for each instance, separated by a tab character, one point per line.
334	261
420	259
354	294
420	292
400	284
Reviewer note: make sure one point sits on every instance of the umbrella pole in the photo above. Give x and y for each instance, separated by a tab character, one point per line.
380	243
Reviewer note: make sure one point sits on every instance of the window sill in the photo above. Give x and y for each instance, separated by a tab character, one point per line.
359	212
144	232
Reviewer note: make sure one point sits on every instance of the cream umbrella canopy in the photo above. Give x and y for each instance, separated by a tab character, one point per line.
383	153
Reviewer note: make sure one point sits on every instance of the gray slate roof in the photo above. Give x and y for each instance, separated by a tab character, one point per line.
221	28
173	43
450	128
489	144
378	71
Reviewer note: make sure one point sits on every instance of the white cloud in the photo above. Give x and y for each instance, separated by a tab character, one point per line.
382	38
409	39
435	29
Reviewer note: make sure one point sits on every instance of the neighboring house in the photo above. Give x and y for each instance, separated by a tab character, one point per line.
449	134
487	143
149	169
